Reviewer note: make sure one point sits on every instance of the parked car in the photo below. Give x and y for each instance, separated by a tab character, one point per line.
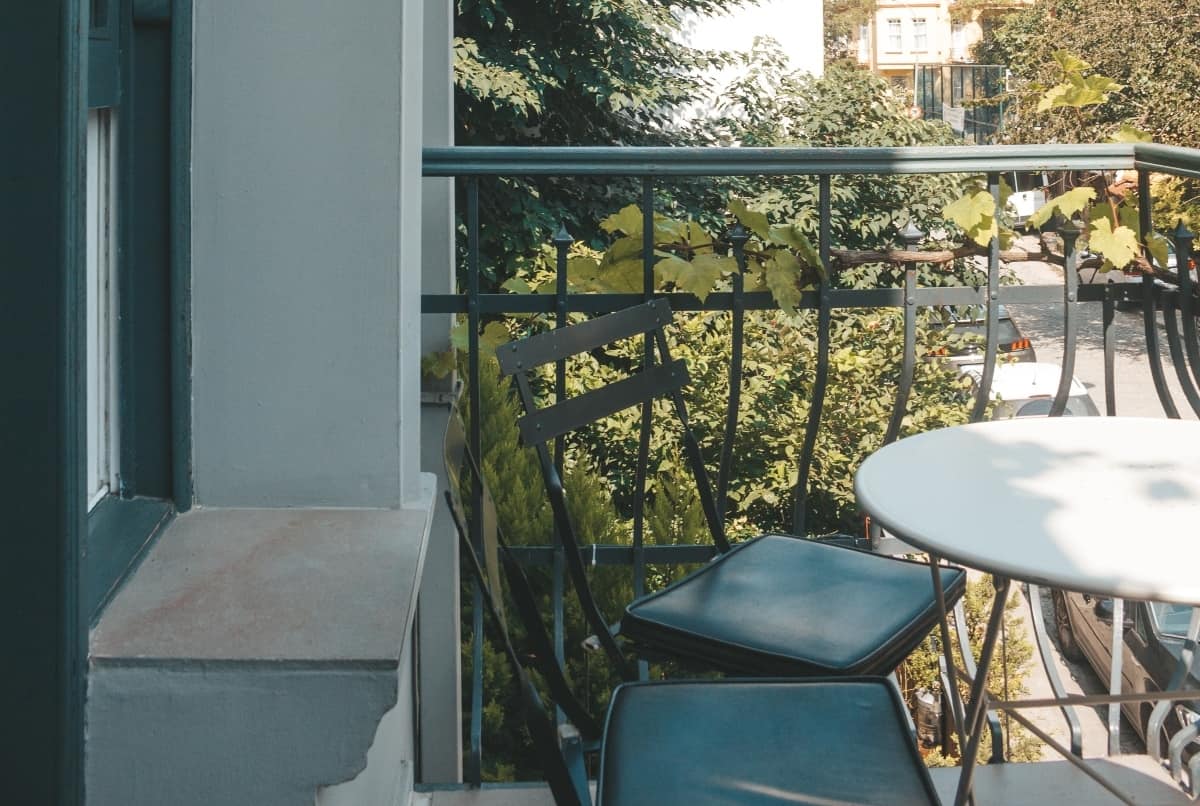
970	330
1154	635
1028	196
1028	390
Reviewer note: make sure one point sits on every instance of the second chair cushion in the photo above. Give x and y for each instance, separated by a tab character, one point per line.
779	605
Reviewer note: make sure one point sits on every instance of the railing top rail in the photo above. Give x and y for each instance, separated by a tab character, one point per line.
1167	159
710	161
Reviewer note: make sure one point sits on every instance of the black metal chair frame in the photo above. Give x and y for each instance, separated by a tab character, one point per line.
561	749
666	377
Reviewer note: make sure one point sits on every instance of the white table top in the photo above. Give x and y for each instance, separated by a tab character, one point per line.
1106	505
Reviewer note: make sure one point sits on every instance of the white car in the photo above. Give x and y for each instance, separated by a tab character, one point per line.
1027	389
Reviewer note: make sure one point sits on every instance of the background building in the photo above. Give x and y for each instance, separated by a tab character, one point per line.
903	35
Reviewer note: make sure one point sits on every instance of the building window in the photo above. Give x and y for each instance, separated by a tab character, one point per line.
864	42
101	313
894	42
958	40
920	35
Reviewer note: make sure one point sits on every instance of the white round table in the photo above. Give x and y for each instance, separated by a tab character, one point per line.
1106	505
1103	505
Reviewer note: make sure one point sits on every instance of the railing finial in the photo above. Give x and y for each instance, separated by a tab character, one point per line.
561	237
911	234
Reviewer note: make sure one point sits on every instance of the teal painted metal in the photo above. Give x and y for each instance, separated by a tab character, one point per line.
150	164
144	270
153	12
42	249
1173	160
119	532
181	254
631	161
104	48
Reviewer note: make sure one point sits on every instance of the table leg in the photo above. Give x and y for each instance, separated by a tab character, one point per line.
1114	675
977	707
948	651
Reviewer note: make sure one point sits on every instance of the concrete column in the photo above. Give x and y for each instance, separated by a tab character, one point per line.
306	248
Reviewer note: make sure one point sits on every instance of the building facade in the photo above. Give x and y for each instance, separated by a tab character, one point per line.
903	35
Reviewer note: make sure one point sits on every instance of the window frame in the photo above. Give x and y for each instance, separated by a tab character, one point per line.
895	35
920	35
143	51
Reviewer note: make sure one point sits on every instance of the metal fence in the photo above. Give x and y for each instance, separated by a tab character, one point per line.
656	168
959	94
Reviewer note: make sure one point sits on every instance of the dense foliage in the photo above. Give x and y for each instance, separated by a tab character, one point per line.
568	73
1146	46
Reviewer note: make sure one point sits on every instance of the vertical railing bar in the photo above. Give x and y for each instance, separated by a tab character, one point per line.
1149	327
474	437
983	395
1175	347
824	325
1149	304
1187	304
1070	235
562	241
738	237
1108	310
1049	662
639	496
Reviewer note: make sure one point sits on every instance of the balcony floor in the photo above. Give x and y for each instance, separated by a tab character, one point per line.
1007	784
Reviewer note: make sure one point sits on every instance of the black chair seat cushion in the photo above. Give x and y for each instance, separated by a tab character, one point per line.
791	742
785	606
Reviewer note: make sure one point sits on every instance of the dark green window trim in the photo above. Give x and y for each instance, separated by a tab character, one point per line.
111	553
42	252
104	85
153	111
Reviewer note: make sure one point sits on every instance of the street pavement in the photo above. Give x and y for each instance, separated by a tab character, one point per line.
1135	397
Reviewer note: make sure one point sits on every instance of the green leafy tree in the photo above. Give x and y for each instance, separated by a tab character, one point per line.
1145	46
842	19
584	72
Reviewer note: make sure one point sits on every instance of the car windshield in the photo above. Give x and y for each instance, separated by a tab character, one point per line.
1077	405
1007	331
1172	619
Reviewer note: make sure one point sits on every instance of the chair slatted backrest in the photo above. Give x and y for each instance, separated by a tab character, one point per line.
663	377
493	558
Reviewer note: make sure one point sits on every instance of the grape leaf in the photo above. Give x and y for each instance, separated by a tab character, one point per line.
753	220
516	285
782	275
699	276
1119	246
975	213
1067	204
1069	62
628	220
1130	134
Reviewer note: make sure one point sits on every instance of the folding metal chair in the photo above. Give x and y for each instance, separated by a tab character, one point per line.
846	740
774	605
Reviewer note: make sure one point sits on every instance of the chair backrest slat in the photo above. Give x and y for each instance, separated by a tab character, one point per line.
545	348
552	421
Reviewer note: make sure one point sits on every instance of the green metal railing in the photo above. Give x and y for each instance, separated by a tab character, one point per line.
657	166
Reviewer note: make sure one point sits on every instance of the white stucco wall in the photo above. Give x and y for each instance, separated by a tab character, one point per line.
797	25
